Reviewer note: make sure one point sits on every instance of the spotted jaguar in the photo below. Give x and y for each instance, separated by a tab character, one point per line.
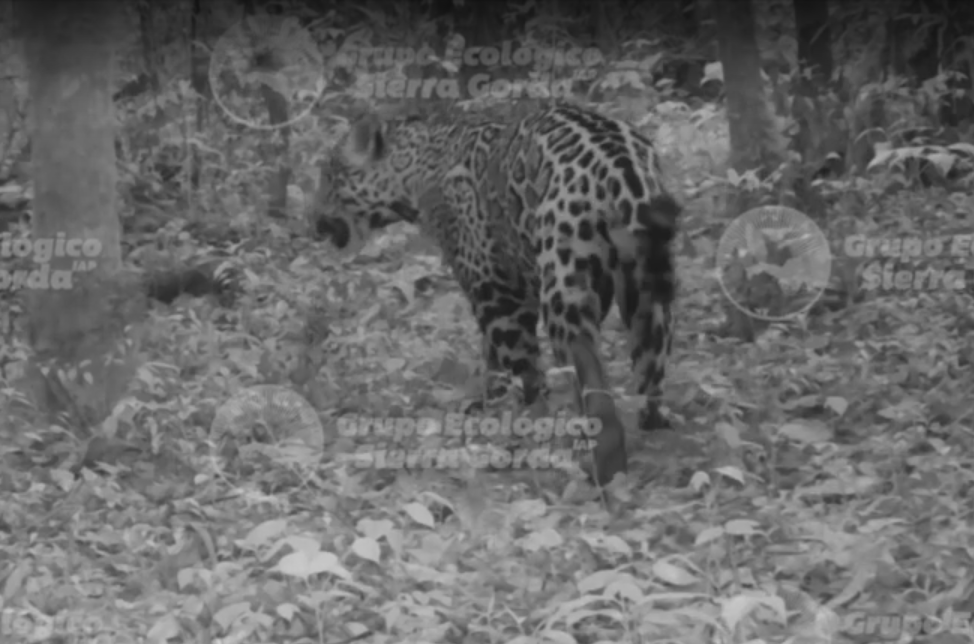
553	216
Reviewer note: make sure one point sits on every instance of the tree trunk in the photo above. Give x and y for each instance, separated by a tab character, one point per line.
689	19
278	141
278	147
814	44
819	135
199	62
150	50
481	26
76	308
755	142
607	19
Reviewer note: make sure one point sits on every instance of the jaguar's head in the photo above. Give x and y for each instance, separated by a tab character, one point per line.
364	183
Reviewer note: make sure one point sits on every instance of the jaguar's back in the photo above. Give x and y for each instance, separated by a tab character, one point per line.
556	215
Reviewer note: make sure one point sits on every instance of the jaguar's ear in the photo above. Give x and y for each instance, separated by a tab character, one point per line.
366	141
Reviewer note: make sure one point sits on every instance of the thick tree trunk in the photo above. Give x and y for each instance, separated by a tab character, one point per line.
755	143
76	308
814	44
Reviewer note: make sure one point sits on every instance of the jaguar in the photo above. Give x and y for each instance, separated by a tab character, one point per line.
555	215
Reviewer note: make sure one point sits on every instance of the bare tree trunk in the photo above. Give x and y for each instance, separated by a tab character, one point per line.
279	140
691	22
814	43
818	134
198	68
76	310
481	26
755	144
608	19
147	32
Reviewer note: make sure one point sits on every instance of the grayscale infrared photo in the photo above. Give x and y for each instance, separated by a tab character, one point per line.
544	322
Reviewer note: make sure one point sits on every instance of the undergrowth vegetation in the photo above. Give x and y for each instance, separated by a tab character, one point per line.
818	476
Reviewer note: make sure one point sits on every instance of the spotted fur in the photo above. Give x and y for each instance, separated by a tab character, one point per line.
551	217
